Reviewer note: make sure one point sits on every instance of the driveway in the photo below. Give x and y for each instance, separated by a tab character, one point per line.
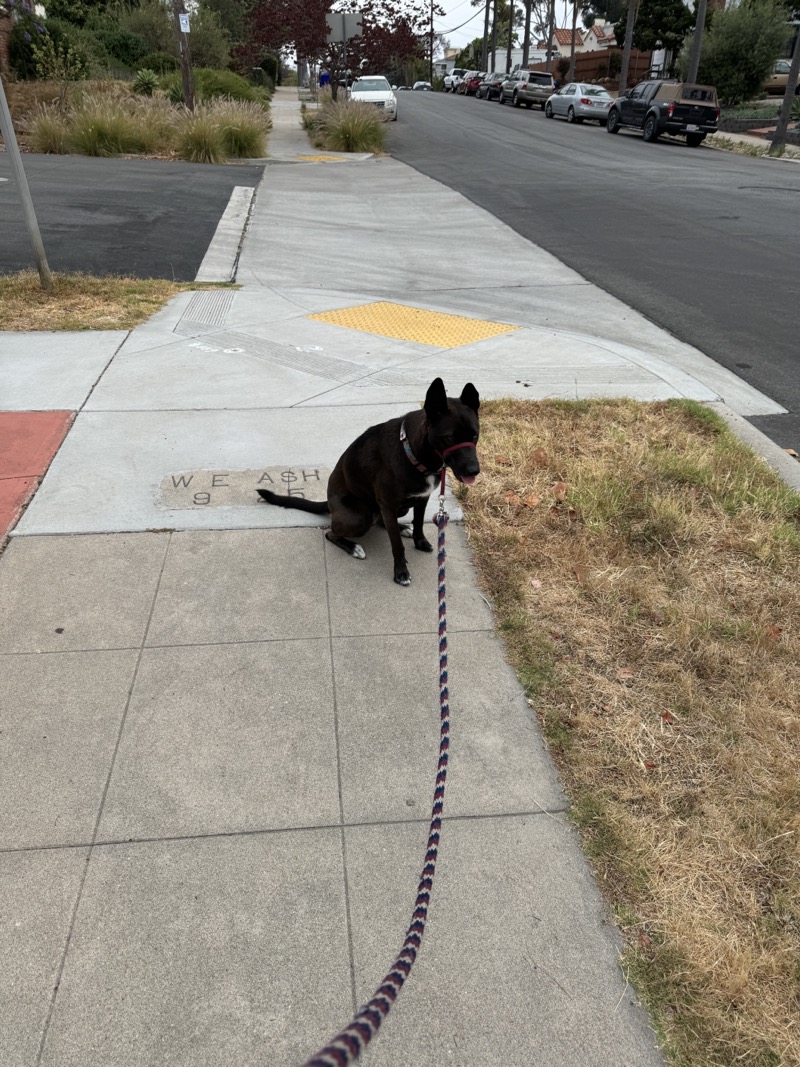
147	218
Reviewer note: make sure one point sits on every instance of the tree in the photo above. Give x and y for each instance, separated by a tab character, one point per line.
608	10
739	49
659	24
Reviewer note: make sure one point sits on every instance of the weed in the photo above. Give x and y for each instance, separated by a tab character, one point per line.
199	137
48	131
348	126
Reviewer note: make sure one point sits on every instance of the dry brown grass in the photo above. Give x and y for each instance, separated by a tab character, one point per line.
644	567
83	302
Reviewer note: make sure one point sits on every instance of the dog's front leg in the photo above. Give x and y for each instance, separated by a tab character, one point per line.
421	542
401	575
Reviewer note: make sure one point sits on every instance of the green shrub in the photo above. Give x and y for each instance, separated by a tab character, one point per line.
739	48
104	128
145	83
82	44
199	138
160	62
244	126
58	62
209	84
125	47
346	126
25	34
48	131
271	66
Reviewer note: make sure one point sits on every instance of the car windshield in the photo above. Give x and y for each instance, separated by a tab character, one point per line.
699	92
540	79
592	90
371	85
782	66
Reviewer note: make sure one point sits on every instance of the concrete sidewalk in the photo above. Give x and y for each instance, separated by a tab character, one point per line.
219	732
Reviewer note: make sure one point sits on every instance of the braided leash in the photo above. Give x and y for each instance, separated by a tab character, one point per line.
348	1045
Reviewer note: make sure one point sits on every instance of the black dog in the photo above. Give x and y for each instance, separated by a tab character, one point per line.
393	468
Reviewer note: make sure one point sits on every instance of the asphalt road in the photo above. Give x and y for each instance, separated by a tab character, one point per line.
142	217
704	243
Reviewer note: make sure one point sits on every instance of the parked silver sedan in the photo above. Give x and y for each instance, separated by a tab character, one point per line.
578	101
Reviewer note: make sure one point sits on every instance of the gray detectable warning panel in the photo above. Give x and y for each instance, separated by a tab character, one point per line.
195	490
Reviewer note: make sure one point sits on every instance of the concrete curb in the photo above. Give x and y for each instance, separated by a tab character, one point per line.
781	462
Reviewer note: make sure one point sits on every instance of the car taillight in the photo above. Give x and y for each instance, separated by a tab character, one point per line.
716	117
670	109
586	100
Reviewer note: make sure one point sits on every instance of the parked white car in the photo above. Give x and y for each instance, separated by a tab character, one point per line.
375	89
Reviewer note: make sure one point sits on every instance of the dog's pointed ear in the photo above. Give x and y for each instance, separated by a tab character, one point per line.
469	396
435	399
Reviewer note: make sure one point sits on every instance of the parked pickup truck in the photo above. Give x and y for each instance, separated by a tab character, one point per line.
657	107
452	79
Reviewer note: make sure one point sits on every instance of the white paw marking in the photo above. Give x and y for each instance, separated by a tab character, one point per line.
358	552
406	530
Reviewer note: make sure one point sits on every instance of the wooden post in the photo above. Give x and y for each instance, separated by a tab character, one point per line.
179	11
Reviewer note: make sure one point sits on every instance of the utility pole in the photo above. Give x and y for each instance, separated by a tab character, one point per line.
10	138
182	26
626	49
697	42
430	77
485	47
779	137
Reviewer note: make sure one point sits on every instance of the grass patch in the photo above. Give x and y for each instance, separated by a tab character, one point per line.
83	302
643	566
741	148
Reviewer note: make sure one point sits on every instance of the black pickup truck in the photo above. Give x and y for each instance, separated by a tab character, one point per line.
657	107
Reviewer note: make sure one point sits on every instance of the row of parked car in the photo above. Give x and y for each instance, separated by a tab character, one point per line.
654	107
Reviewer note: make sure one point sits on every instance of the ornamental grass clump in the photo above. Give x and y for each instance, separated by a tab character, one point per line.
48	131
348	126
244	126
103	128
199	137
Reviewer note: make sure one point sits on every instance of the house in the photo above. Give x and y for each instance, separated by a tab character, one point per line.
600	35
563	41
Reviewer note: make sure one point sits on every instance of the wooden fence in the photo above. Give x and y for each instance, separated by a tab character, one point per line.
602	68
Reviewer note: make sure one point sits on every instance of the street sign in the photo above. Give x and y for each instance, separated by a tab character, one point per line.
343	25
184	21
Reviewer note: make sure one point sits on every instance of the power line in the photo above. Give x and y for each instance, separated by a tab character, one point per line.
453	30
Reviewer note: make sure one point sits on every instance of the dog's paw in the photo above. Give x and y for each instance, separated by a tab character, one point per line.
423	545
403	579
406	529
358	552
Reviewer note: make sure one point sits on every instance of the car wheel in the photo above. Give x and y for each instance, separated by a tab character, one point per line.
548	110
541	106
500	98
695	139
612	122
515	100
650	131
571	114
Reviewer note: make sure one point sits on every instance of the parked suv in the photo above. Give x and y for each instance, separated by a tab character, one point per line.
657	107
527	87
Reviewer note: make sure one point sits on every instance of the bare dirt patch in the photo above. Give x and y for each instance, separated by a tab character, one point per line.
644	569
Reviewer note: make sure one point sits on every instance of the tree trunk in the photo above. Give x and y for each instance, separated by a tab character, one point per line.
485	45
626	49
526	45
779	138
551	27
697	42
510	35
494	33
571	76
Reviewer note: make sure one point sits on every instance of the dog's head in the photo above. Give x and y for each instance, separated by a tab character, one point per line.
453	428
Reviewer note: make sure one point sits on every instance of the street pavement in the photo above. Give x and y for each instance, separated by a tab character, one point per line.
219	732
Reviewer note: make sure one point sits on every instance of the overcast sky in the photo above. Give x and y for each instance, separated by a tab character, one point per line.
459	11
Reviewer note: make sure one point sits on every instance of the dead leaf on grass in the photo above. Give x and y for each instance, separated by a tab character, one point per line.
580	572
514	498
559	490
539	457
773	632
531	501
504	461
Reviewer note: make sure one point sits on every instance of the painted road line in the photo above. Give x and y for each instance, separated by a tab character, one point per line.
219	262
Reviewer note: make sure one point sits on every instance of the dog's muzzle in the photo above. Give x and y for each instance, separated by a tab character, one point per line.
473	469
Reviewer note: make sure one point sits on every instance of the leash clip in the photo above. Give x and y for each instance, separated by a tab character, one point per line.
441	496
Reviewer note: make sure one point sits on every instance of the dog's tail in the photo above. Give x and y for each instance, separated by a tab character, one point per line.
299	503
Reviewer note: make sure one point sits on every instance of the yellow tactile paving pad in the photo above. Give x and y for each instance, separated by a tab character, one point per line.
414	324
322	159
